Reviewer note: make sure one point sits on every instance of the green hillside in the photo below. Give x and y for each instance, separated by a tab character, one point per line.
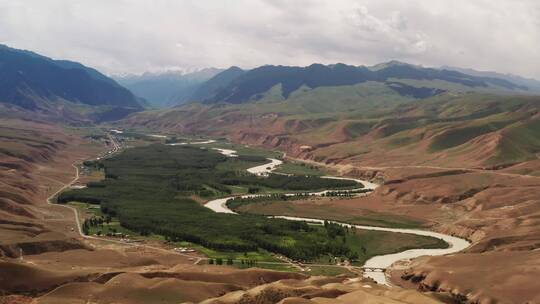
451	128
236	86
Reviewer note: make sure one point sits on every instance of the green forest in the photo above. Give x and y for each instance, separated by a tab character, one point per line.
236	202
148	189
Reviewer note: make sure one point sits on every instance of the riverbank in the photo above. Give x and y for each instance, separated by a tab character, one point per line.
380	262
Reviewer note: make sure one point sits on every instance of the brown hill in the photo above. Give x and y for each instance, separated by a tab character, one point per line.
59	266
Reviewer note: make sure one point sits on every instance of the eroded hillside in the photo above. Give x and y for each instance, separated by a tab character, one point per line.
467	163
45	259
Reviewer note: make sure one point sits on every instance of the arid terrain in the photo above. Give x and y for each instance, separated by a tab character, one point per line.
495	209
46	260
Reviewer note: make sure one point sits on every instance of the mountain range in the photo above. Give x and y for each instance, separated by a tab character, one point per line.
62	89
238	86
345	112
532	84
166	89
297	104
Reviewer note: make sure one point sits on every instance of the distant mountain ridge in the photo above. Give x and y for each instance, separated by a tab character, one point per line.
245	86
235	85
209	89
168	88
532	84
38	83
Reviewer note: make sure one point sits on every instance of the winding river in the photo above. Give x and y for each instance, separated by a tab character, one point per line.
380	261
190	142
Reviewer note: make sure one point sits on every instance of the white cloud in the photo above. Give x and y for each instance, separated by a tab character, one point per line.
122	36
388	33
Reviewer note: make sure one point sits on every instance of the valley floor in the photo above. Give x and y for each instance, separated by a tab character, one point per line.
65	268
496	210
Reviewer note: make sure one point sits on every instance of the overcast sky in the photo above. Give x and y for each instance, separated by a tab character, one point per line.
134	36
